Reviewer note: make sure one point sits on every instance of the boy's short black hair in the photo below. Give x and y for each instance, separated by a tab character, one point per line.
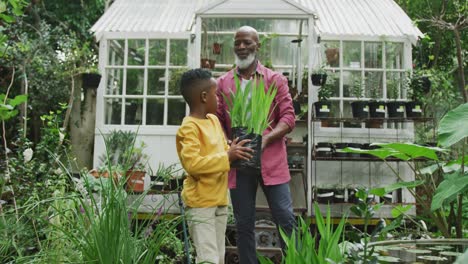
191	80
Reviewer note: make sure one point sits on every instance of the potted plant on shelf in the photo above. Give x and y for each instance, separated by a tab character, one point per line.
395	108
360	108
376	106
323	105
419	86
122	152
319	76
249	110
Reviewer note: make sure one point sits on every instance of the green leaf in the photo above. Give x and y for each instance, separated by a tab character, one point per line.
413	150
2	7
398	185
19	99
454	126
448	190
6	18
398	210
6	107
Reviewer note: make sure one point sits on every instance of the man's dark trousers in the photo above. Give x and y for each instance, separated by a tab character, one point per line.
243	202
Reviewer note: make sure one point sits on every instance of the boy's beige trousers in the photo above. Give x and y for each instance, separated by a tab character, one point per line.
207	228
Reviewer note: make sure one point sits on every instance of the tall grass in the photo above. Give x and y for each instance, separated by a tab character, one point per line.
250	107
301	247
104	229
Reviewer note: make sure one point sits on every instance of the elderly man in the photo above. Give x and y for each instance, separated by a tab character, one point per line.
274	174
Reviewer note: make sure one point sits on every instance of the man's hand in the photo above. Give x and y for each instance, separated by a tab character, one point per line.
237	151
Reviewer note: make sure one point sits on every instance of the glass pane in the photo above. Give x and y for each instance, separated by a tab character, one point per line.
136	52
135	81
373	54
333	83
155	111
352	84
133	111
178	54
116	52
156	81
260	24
176	111
113	111
348	113
352	54
174	81
114	81
394	55
394	85
157	52
374	85
331	53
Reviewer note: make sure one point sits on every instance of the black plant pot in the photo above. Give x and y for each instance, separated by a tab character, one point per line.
396	109
91	80
318	79
367	146
354	145
255	144
322	109
325	196
352	196
324	149
176	184
360	109
414	109
339	196
377	109
339	150
387	198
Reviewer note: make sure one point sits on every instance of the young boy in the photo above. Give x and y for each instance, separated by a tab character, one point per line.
205	156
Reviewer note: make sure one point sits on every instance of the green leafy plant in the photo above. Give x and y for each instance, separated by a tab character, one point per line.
301	246
104	230
8	106
168	173
326	91
250	107
122	149
357	88
444	183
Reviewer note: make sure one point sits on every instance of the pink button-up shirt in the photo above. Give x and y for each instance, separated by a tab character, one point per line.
274	157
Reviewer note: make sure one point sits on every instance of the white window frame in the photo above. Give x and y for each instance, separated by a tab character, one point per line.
163	129
405	132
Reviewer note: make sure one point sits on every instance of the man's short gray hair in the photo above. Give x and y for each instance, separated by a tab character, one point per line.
247	29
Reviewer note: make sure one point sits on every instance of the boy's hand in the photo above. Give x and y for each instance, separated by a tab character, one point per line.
237	151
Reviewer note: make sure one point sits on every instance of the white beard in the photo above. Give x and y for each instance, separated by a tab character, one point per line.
245	63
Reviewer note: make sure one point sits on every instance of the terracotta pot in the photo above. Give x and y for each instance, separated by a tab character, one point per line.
135	181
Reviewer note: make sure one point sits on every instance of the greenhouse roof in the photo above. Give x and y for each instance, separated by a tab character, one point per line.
335	18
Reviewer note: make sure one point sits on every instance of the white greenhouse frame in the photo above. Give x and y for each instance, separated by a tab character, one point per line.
161	139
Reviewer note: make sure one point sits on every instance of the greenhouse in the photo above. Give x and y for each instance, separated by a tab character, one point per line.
144	47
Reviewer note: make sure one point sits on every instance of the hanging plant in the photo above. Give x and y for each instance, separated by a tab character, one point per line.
217	48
